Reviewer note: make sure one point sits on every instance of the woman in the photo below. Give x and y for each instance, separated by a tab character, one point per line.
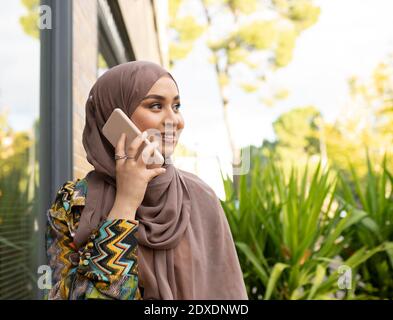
131	230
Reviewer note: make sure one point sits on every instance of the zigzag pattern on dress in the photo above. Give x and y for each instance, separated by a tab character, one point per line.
115	248
59	249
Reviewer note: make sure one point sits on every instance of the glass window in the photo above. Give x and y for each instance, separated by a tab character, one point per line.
19	116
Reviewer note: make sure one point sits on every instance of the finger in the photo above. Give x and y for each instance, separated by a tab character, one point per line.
156	172
119	150
135	144
148	151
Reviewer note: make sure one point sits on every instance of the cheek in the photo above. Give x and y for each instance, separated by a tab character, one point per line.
145	121
181	123
150	124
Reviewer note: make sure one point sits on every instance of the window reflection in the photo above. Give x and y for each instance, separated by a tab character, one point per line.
19	117
102	65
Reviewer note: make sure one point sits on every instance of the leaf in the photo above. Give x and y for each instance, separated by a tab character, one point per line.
254	260
274	276
319	276
372	226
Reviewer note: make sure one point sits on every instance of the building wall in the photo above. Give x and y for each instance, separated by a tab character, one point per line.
85	55
142	28
145	35
161	10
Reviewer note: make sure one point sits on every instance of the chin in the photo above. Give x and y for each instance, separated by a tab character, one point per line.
167	150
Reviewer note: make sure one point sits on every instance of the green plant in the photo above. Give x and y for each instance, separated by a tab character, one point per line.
289	232
372	195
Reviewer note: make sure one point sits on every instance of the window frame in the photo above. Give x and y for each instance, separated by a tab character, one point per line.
55	137
114	43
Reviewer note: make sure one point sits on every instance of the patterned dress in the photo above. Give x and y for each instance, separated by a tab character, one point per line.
106	267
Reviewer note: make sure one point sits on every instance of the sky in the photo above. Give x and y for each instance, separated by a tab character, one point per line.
350	38
19	75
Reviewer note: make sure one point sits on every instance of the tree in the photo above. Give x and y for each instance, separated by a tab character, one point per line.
29	20
297	131
366	123
298	138
260	38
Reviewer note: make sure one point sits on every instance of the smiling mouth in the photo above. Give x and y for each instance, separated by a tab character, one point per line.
168	139
168	134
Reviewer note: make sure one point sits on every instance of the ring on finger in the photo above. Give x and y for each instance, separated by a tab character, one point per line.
118	157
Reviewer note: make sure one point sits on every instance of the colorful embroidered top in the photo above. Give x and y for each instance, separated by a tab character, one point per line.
105	268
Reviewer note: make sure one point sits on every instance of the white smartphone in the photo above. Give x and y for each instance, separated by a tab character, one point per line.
117	123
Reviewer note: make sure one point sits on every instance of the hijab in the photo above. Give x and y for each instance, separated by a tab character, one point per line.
185	247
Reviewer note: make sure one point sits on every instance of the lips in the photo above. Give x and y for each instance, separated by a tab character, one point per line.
168	134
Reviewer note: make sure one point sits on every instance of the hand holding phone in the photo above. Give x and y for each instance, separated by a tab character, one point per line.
117	123
132	177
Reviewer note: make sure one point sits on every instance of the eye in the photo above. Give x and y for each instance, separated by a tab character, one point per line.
155	105
177	106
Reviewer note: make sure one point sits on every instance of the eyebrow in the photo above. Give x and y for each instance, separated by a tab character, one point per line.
158	97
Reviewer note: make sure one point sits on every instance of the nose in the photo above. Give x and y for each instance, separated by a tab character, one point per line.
171	119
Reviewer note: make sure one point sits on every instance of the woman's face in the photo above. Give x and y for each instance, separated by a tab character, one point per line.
159	114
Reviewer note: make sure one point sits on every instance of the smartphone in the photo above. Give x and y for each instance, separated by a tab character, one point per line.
117	123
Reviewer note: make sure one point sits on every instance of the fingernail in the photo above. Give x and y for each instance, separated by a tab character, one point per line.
144	135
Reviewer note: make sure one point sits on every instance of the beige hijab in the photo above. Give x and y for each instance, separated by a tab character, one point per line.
185	247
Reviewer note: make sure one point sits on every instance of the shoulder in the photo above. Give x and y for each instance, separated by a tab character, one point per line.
70	195
72	192
198	184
